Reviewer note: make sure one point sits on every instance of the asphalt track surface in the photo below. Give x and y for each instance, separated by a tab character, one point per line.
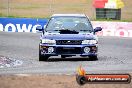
115	56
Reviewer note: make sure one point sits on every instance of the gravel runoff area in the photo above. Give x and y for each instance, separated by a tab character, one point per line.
6	62
49	81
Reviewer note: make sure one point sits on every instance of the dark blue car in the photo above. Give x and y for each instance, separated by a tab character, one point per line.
68	35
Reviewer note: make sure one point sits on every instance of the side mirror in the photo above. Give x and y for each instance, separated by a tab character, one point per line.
39	28
97	29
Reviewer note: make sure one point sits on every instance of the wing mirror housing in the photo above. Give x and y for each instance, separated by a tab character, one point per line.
39	28
97	29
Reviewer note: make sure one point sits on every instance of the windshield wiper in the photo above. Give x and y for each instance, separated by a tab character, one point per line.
86	30
56	30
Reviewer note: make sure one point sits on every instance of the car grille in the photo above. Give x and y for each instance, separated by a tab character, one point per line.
68	42
68	50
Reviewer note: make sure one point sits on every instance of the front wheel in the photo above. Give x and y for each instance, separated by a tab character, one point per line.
43	58
63	56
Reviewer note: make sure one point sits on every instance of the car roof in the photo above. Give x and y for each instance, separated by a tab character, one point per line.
74	15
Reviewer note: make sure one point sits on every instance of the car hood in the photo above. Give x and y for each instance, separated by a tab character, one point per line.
81	36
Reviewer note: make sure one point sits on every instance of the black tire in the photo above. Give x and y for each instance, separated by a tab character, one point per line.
63	56
81	80
93	58
43	58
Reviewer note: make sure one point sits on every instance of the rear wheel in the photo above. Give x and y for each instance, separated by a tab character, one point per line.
93	58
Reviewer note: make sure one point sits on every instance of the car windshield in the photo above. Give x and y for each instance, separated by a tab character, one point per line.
69	23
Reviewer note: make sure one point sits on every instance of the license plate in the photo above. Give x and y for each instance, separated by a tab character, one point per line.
68	48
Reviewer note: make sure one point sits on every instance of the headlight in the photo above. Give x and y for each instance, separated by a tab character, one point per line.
89	42
48	41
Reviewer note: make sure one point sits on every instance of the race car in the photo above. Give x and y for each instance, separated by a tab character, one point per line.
68	35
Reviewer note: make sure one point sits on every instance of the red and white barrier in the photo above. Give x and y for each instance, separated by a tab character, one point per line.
121	29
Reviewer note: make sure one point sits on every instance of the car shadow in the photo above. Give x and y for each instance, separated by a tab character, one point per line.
69	59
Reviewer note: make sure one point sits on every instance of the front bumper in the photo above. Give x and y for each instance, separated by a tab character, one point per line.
54	50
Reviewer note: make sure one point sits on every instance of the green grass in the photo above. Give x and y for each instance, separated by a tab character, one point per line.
44	8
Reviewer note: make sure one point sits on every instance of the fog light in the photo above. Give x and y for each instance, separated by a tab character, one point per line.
43	51
50	50
86	49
